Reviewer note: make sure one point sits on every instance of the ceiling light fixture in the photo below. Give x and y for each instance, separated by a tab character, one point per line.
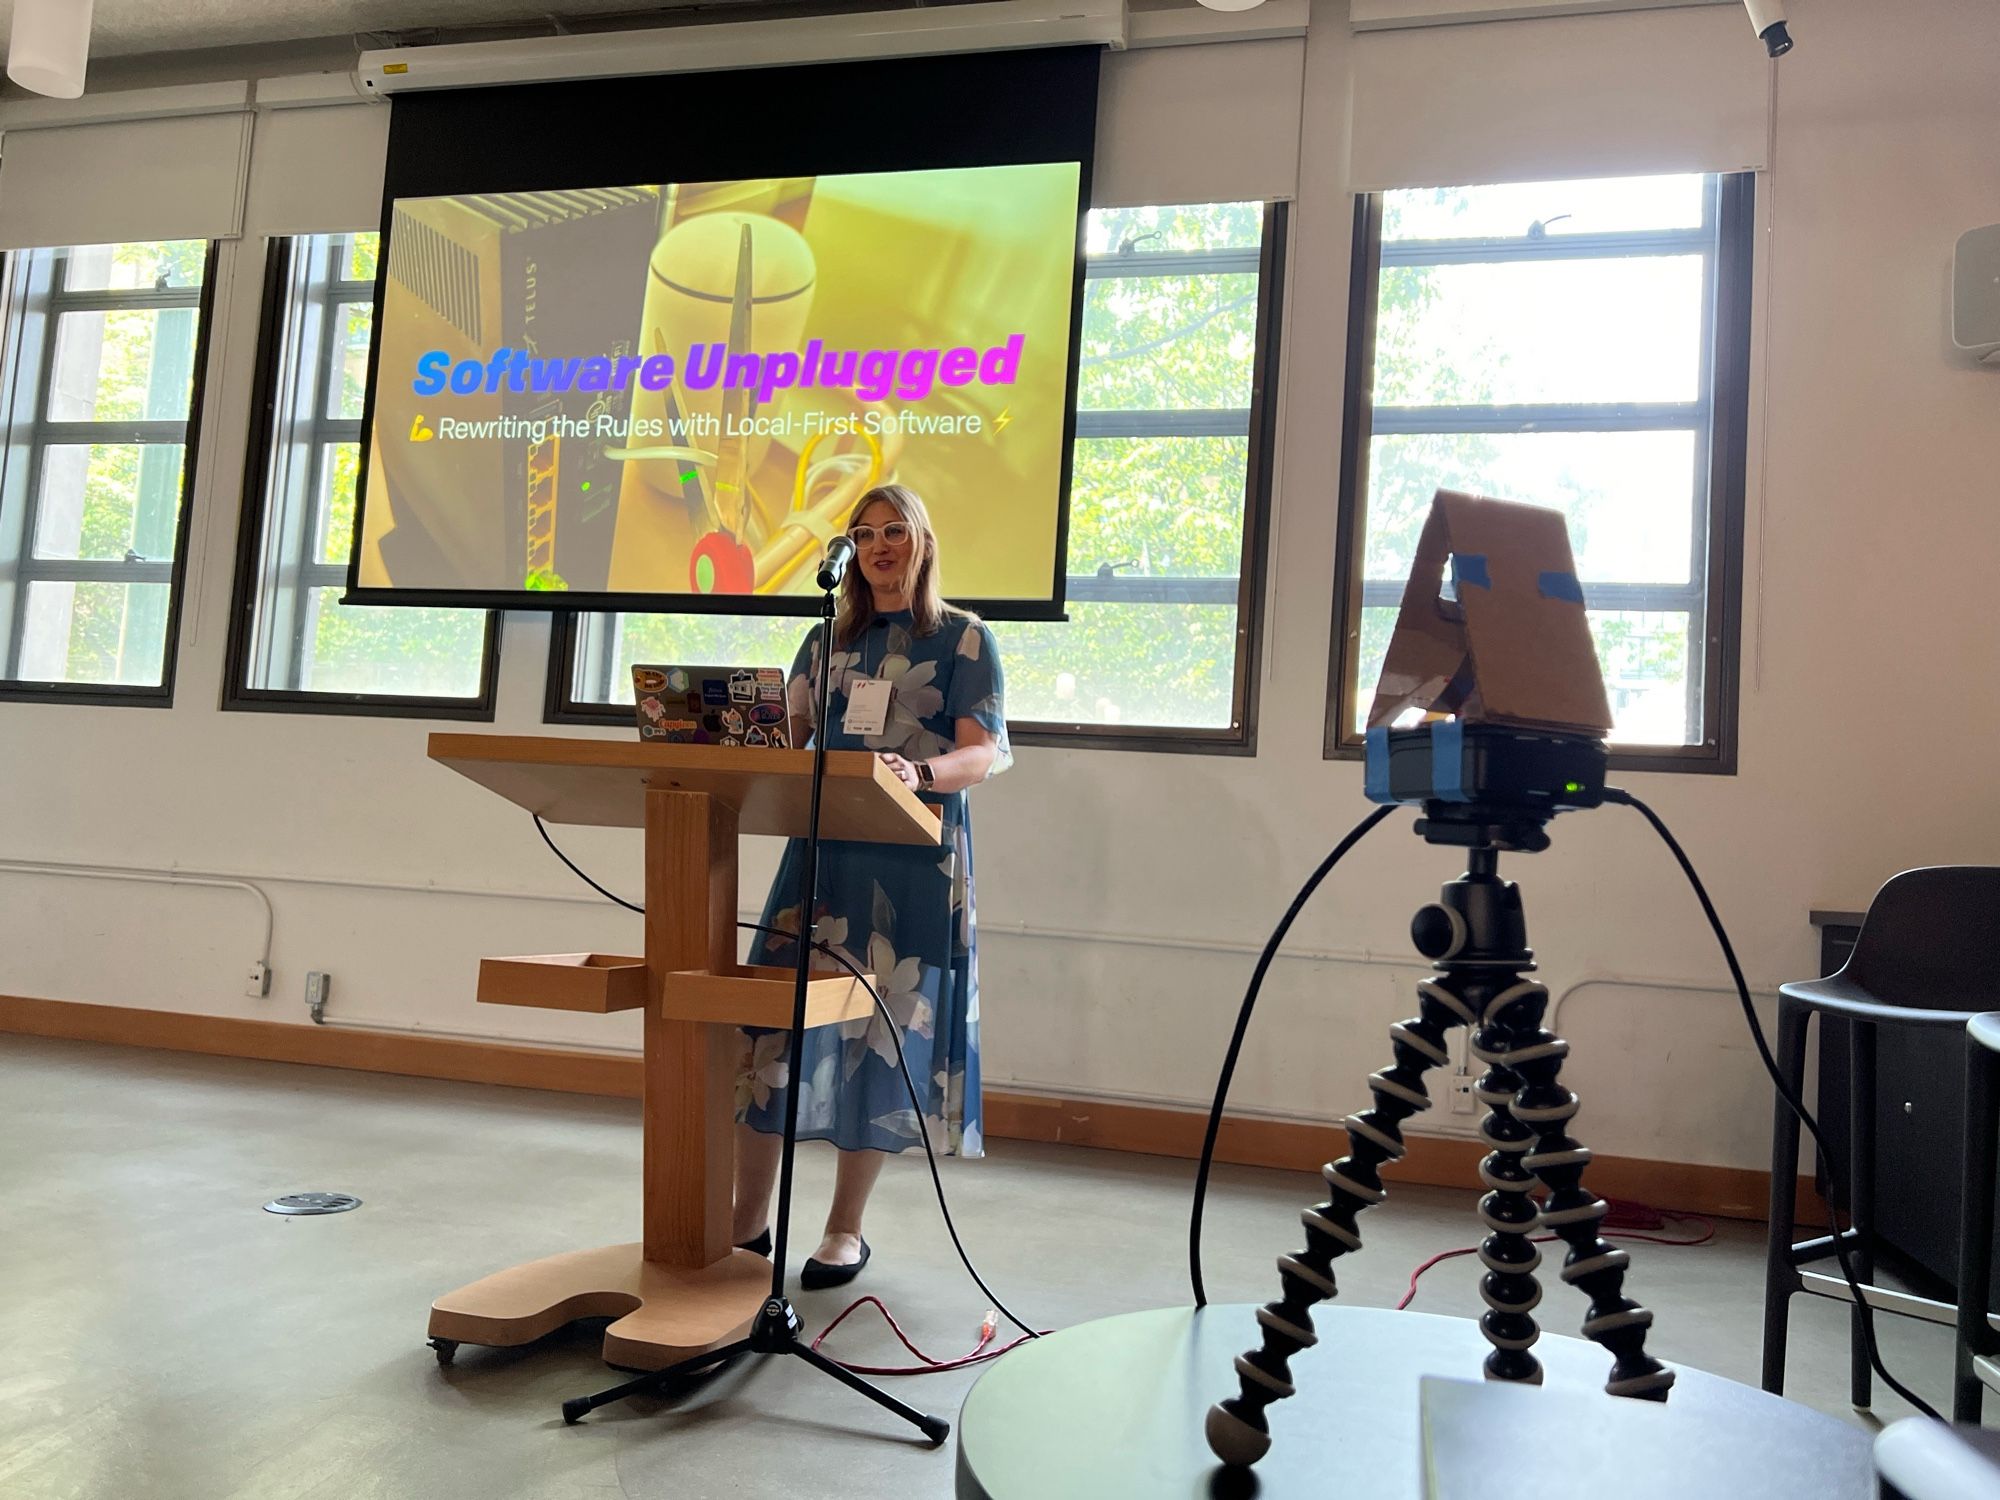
50	46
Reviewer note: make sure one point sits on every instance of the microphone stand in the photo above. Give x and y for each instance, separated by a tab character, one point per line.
777	1326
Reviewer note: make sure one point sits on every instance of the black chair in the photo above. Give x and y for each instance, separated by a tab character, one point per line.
1927	955
1978	1342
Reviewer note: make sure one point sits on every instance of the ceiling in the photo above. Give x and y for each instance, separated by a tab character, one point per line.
121	28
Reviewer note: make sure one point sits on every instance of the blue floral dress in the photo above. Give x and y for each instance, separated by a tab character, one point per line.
901	913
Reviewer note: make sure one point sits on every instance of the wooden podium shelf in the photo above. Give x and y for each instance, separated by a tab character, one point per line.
761	995
594	982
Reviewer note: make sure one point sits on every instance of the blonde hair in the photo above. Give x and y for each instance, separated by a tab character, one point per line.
928	611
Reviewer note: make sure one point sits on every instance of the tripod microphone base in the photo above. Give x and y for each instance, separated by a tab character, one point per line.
776	1330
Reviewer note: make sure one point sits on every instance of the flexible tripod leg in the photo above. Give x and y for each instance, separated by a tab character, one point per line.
776	1331
1572	1211
1238	1432
1509	1252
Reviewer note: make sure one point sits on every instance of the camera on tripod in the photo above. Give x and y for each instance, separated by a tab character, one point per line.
1492	650
1492	647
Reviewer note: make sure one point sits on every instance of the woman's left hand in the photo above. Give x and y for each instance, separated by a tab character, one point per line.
904	770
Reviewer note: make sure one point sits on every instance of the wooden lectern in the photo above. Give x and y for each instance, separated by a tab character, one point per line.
683	1289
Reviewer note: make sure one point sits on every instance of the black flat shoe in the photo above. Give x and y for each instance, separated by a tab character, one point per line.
817	1275
759	1246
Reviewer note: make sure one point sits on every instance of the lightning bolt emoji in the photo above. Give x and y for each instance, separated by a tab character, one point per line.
1000	422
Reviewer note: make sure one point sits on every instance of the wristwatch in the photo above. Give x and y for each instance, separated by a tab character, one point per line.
924	775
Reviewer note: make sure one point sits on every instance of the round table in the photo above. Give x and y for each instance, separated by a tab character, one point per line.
1115	1408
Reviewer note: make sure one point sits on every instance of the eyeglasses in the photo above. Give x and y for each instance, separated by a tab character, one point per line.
895	534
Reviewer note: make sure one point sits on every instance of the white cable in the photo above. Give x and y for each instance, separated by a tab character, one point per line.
1623	981
424	888
151	877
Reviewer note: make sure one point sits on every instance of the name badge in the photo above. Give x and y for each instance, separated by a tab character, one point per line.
867	705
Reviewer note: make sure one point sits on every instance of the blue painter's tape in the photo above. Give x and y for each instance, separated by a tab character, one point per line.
1448	760
1375	770
1470	567
1557	585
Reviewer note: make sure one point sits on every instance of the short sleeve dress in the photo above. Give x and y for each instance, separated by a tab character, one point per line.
903	914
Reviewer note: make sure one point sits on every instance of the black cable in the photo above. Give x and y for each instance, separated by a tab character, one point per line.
1270	952
895	1035
917	1107
543	829
1792	1100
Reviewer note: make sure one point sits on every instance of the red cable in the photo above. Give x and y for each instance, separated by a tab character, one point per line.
1620	1212
1636	1214
979	1355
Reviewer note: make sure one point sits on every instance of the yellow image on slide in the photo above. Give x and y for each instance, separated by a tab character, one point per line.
684	389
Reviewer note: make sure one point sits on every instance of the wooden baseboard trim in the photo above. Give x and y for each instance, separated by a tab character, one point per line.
1436	1161
564	1070
1433	1161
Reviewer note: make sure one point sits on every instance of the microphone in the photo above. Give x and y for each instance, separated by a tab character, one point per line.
839	553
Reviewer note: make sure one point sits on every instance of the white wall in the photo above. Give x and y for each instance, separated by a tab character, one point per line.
1120	893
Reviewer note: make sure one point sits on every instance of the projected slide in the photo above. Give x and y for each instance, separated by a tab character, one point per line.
683	389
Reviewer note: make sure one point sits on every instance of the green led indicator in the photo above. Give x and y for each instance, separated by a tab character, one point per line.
586	484
1572	786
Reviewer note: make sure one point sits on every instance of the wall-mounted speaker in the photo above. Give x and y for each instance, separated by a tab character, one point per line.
1975	293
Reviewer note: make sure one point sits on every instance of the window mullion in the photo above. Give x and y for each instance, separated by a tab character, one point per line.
95	570
317	499
287	488
594	641
1550	416
50	278
117	300
1236	262
1698	654
1615	245
1184	422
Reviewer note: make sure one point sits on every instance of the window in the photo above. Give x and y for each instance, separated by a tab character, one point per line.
1167	517
293	645
1579	345
1170	489
103	348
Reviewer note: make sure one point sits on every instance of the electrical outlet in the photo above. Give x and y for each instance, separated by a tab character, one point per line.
317	985
258	984
1463	1100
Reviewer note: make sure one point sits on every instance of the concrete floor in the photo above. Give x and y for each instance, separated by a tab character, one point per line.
162	1337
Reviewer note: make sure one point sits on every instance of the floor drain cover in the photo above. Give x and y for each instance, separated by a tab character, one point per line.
312	1203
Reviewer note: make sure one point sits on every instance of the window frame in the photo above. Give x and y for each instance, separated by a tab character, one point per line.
43	305
285	283
1247	590
1723	400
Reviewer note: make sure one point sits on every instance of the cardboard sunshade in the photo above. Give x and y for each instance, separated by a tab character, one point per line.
1513	646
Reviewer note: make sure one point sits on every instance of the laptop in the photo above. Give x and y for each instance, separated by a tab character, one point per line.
714	706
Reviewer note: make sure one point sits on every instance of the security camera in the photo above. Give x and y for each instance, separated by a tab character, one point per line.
1767	19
